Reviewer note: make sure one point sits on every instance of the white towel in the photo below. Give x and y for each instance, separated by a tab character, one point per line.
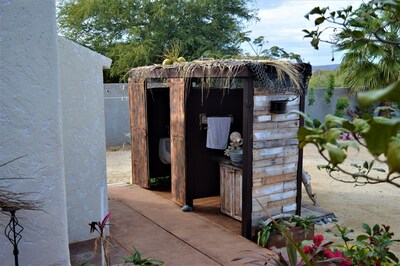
218	132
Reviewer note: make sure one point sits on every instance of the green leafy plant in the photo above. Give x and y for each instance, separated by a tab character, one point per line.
160	181
136	33
320	79
341	105
293	221
368	35
380	135
100	228
318	253
257	46
137	259
321	253
311	96
330	89
370	248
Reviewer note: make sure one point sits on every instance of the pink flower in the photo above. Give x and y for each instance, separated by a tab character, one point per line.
99	226
346	262
338	254
307	249
328	253
317	240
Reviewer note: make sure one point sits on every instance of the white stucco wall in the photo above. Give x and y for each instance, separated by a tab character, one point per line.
31	125
81	81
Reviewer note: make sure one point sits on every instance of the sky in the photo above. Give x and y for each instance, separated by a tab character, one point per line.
282	21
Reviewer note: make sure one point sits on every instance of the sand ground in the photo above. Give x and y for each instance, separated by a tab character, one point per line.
352	205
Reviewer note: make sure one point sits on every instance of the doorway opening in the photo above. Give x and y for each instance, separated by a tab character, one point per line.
202	163
158	122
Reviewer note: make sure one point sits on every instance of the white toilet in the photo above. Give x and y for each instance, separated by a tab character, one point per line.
164	150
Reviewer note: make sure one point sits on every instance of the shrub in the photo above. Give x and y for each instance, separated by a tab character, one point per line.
311	97
341	105
330	89
371	248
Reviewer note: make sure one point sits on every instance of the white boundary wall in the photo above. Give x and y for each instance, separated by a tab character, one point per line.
81	80
31	126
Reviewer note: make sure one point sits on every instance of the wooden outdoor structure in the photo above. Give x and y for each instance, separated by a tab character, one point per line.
272	161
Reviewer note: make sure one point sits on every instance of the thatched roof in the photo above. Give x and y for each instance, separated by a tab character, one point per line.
276	76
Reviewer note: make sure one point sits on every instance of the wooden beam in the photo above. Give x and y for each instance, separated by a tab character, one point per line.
306	72
248	103
178	140
139	138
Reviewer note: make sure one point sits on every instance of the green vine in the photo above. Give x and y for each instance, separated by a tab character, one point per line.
311	96
330	89
341	105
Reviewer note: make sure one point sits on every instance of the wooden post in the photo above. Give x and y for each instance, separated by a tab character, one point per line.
139	141
306	72
178	140
248	103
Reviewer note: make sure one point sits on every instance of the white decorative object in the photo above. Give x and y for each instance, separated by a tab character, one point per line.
234	150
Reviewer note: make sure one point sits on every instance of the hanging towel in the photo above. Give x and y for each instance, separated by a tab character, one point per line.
218	132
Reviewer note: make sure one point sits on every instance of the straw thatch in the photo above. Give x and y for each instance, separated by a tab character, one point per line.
16	200
276	76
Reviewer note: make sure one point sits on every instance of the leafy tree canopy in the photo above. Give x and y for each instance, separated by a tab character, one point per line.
138	32
320	79
370	36
274	52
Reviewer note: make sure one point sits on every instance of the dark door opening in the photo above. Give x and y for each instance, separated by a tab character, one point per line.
158	119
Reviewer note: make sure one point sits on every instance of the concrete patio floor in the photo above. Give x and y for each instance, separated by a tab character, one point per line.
159	229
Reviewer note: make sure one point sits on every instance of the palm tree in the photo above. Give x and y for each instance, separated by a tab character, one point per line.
372	60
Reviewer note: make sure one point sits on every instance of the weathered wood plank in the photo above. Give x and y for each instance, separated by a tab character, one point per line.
178	140
138	120
289	185
271	134
275	143
267	153
269	144
275	170
288	124
268	180
267	190
225	190
265	126
274	161
262	118
285	117
272	204
277	196
263	102
247	184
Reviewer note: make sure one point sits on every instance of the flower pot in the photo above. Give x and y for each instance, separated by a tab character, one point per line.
278	106
236	156
298	233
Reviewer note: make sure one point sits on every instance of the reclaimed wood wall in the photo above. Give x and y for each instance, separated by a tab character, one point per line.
275	156
138	121
178	140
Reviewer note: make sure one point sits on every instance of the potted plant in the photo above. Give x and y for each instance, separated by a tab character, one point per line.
234	150
299	228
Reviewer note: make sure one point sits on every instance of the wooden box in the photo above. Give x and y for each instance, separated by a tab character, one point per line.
298	233
231	190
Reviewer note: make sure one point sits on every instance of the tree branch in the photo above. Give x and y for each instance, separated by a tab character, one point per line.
368	179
